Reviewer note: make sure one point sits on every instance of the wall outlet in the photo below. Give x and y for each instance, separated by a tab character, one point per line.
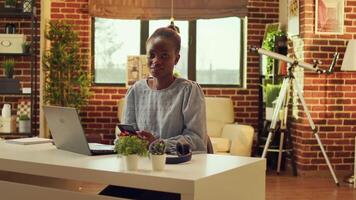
26	90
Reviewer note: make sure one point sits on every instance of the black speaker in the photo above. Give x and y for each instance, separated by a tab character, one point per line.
184	154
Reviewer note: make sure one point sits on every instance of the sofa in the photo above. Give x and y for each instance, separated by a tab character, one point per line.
227	137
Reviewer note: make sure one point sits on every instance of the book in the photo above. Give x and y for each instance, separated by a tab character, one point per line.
28	141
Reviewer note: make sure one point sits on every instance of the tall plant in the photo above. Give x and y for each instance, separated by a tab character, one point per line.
272	92
66	83
268	44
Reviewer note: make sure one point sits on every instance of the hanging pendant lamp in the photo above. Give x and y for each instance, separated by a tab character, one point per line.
172	25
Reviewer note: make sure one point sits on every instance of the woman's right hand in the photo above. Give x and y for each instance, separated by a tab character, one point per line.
146	136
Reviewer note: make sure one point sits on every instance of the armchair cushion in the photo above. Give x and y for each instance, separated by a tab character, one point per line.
241	137
120	109
215	128
220	144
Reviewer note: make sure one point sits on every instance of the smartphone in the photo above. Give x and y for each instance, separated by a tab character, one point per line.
127	128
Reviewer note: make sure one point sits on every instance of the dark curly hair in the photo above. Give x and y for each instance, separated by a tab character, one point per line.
171	32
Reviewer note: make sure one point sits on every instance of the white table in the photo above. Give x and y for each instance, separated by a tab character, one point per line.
204	177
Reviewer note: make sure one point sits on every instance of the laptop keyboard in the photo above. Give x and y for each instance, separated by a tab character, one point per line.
101	147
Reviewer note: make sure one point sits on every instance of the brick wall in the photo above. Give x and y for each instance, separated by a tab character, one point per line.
331	98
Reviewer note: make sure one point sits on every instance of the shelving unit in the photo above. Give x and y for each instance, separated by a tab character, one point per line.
17	14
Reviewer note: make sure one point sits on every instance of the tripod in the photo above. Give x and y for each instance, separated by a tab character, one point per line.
283	99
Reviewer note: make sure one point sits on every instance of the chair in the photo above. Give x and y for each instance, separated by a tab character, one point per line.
120	109
226	136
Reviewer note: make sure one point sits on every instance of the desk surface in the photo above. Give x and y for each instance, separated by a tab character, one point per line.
46	160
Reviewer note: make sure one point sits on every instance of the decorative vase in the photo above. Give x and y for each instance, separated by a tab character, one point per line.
24	126
131	162
27	6
158	162
6	111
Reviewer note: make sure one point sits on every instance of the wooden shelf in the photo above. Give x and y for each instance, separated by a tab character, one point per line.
14	13
15	54
16	94
15	135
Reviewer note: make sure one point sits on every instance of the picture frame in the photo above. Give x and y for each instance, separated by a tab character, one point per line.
293	17
137	69
271	27
329	16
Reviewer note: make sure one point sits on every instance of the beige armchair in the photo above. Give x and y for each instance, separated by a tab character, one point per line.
227	136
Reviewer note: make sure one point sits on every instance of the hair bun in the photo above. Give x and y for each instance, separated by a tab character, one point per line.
173	27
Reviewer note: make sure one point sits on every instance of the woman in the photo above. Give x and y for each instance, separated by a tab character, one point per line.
165	106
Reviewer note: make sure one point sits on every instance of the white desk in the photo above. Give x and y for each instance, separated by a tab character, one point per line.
204	177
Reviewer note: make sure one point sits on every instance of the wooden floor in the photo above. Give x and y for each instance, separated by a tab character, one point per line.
307	188
288	187
283	187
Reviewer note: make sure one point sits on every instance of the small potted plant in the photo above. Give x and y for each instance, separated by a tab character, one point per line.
26	47
8	66
10	4
157	151
131	147
24	124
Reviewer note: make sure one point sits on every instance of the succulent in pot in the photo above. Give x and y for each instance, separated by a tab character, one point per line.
157	147
157	153
8	66
10	4
24	124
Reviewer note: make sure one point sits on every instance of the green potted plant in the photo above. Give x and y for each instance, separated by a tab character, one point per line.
24	124
10	4
271	92
157	151
26	47
67	83
131	147
8	66
269	44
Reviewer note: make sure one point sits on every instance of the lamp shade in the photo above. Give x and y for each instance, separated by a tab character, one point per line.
349	62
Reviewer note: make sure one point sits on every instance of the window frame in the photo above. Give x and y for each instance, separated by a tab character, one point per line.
192	25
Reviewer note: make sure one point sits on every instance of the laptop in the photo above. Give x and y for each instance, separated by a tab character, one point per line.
68	133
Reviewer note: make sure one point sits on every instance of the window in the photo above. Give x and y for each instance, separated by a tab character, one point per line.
212	50
114	40
218	52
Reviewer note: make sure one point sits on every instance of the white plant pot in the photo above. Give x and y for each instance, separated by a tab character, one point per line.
24	126
131	162
6	111
158	162
9	6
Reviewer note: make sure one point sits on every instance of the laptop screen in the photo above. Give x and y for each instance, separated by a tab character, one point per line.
66	129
